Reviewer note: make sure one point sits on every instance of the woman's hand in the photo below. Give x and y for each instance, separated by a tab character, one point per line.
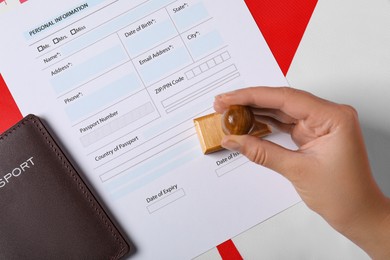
330	169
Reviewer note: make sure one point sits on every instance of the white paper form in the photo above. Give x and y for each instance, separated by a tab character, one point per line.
120	82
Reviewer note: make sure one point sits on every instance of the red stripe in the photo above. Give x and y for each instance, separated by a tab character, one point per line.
228	251
9	112
283	24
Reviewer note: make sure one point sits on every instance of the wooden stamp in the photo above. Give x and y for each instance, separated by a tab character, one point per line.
238	120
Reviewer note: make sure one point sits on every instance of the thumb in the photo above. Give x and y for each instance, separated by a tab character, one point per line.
265	153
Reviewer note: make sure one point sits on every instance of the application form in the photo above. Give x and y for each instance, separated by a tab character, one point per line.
120	82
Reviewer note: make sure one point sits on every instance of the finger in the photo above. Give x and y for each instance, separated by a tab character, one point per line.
265	153
284	127
219	105
298	135
295	103
275	114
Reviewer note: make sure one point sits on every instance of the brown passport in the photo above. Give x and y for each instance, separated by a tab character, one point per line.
46	210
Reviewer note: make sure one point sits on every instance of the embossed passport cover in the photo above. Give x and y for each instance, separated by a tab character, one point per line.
46	210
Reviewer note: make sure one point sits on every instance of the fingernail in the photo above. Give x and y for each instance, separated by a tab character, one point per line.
224	94
218	97
230	144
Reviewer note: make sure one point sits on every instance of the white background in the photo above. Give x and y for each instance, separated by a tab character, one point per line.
344	56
